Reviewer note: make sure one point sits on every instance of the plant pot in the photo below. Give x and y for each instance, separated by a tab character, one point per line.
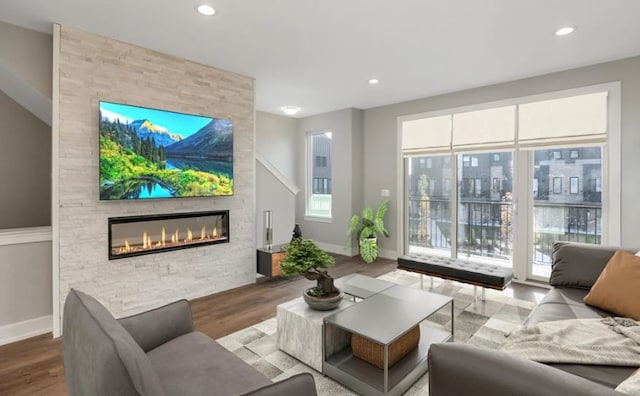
322	303
369	249
374	239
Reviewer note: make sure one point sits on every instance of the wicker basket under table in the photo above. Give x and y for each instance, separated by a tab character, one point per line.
373	352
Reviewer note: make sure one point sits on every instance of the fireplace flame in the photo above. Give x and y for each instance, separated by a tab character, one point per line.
163	239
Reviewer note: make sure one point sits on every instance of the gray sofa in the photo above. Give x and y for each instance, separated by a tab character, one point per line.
155	353
460	369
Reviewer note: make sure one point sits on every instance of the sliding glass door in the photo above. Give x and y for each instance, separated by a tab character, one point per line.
567	201
485	207
429	204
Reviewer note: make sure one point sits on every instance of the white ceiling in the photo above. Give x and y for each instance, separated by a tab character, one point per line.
319	54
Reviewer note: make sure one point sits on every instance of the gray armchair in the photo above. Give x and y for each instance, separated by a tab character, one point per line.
155	353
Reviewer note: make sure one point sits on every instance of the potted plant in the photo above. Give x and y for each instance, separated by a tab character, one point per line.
305	258
366	229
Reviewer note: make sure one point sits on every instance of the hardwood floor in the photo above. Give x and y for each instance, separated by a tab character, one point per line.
34	366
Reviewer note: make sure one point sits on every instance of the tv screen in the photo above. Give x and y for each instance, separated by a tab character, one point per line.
150	153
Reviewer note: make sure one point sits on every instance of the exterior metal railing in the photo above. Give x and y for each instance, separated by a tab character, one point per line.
485	228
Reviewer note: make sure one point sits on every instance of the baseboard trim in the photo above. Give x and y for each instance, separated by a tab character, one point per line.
388	254
354	251
333	248
15	236
29	328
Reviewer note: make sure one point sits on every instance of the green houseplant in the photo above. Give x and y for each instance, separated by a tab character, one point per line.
366	229
305	258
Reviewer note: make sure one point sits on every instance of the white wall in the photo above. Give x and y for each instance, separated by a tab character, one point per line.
276	144
25	180
25	283
25	167
276	141
273	195
25	148
28	54
380	136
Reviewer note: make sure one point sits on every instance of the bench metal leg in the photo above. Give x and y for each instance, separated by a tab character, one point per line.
422	282
483	296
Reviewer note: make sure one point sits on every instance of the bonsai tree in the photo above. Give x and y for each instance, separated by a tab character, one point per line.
305	258
366	229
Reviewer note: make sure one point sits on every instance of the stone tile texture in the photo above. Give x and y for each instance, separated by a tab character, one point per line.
94	68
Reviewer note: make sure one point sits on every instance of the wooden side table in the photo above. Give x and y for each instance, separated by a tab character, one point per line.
269	260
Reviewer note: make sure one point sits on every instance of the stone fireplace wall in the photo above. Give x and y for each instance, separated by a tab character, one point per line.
94	68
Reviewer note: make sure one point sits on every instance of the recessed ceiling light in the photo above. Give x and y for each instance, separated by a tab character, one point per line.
374	81
290	110
205	9
565	30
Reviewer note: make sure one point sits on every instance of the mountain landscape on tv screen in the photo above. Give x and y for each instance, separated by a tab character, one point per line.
139	158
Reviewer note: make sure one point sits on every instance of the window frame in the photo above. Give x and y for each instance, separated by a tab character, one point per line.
557	190
310	161
573	191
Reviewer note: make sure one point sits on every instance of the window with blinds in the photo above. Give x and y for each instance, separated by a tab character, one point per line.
578	119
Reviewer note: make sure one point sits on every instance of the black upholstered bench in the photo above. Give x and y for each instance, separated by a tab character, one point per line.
477	274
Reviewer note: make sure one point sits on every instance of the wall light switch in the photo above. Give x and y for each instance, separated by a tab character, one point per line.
385	193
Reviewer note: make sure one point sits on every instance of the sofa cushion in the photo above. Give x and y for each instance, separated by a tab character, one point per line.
562	303
609	376
100	356
579	264
618	286
194	364
157	326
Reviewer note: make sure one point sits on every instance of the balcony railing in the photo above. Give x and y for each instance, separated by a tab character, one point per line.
557	222
485	228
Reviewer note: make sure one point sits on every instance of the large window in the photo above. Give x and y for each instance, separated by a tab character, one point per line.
544	155
319	175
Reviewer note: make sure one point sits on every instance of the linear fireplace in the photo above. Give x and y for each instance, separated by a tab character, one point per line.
138	235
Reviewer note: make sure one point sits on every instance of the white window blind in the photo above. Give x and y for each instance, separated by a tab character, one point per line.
426	135
491	128
576	119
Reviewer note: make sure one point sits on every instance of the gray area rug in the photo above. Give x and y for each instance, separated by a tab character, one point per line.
485	324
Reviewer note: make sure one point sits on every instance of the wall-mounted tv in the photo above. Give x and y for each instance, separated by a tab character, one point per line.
151	153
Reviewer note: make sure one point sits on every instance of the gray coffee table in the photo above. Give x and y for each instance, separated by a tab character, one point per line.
361	286
384	317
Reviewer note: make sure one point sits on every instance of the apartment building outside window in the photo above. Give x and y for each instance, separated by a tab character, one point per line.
318	203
